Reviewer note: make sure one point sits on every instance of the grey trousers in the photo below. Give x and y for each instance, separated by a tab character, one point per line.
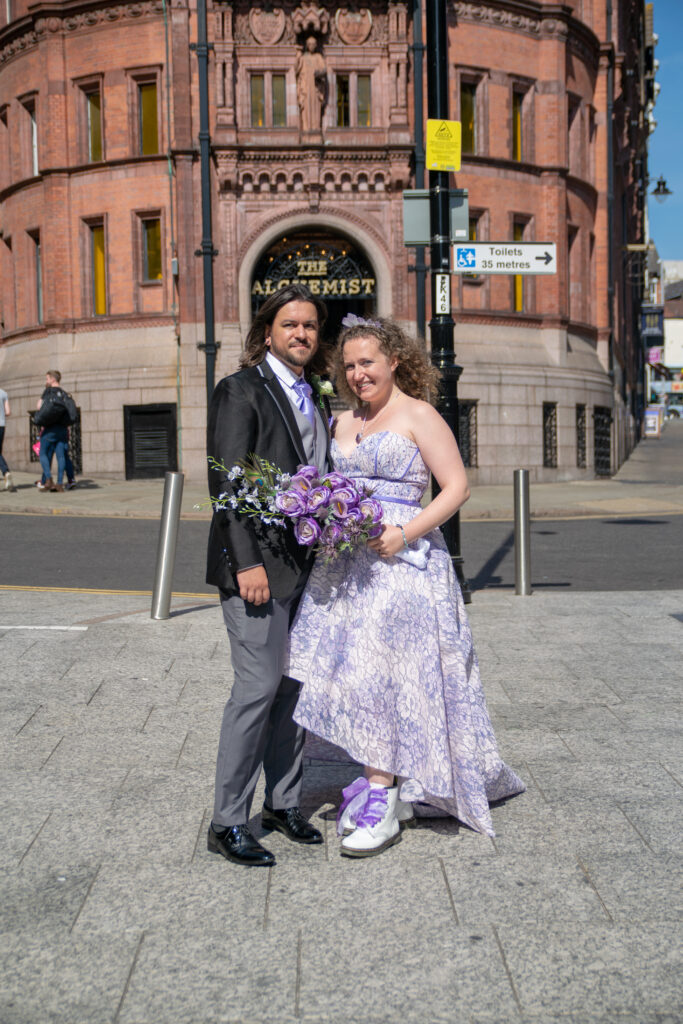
257	727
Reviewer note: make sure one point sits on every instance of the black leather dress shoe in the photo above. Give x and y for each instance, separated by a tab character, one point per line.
238	844
292	824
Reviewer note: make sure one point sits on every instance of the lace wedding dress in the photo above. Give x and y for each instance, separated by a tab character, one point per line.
384	651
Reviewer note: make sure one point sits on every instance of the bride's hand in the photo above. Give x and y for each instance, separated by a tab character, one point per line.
389	542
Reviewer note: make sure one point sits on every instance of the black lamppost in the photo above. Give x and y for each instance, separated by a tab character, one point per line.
206	251
441	325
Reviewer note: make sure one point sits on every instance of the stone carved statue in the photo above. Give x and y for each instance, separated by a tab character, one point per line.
311	85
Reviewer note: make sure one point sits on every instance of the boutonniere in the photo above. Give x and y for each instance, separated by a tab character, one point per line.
322	388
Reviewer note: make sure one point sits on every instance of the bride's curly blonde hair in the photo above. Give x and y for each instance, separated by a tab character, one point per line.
415	375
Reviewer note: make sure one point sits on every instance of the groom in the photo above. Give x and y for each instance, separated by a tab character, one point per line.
267	409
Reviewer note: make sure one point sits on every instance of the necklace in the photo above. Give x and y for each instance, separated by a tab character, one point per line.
359	435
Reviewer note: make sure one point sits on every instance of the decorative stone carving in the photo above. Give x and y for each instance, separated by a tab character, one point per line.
553	27
18	45
309	18
311	86
497	16
353	27
72	23
267	26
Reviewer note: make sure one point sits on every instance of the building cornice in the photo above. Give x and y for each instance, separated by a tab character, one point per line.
538	20
90	325
91	168
49	18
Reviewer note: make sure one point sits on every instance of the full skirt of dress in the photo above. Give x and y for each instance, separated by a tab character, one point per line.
385	655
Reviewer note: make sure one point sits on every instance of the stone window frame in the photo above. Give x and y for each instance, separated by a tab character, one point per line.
590	298
84	86
576	136
139	218
526	88
144	76
260	63
29	141
591	136
268	74
528	225
7	258
352	67
479	77
88	276
5	147
353	76
482	216
36	276
574	260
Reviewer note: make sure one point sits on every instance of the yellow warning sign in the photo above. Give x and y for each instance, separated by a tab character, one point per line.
443	145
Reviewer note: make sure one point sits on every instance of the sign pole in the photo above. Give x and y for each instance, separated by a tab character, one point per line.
441	324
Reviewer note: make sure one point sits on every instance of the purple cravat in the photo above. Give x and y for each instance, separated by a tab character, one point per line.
303	391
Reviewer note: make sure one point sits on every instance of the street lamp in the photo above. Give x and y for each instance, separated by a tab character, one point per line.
661	191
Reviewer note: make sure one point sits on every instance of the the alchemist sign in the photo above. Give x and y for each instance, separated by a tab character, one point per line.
329	271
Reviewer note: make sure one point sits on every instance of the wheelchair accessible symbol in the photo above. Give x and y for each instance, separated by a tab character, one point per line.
467	258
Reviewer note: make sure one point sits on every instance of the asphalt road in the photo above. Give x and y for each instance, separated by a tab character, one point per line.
119	554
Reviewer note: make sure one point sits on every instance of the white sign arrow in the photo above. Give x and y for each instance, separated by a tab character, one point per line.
505	258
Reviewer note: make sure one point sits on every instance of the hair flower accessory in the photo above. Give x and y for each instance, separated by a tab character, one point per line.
351	320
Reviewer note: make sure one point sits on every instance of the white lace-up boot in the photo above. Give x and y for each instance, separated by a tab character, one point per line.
369	840
404	813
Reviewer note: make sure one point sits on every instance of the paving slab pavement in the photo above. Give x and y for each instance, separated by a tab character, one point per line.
113	911
635	490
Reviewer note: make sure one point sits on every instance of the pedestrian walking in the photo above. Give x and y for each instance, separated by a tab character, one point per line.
55	412
5	411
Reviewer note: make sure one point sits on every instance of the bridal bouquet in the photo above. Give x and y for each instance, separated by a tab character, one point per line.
327	510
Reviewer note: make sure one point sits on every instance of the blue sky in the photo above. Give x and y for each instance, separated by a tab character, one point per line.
666	144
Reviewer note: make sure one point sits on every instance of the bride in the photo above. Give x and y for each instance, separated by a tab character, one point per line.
381	641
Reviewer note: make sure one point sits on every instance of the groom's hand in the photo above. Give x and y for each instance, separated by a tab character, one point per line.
253	584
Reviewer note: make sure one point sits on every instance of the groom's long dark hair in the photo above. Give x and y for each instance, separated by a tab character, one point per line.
255	347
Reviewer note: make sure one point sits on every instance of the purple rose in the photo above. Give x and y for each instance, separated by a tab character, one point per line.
339	508
304	483
355	515
346	494
334	480
308	472
331	534
291	502
372	508
318	498
375	530
306	531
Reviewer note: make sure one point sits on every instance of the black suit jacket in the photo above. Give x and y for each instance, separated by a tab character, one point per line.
250	413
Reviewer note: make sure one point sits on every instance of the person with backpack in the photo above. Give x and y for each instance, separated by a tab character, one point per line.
55	413
4	468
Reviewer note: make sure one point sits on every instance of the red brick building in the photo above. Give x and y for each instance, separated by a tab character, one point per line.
312	135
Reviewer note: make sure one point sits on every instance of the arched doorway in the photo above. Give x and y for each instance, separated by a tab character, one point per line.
327	263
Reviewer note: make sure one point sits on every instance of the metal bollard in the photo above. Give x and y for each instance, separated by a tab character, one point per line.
168	536
522	532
